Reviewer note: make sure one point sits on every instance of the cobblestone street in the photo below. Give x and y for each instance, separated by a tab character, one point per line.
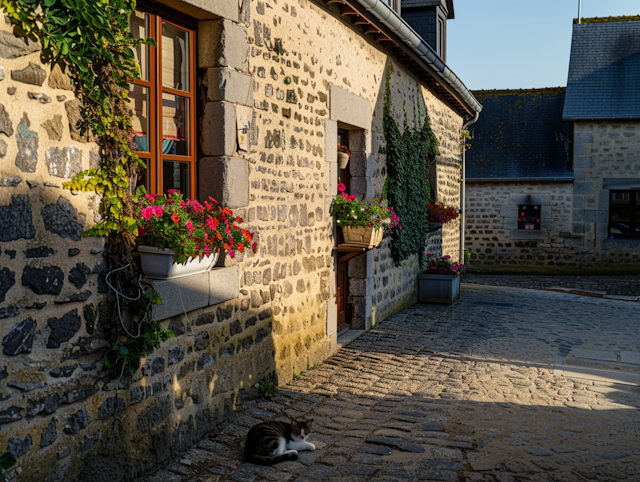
473	392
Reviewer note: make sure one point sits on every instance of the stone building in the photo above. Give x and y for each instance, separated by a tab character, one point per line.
256	95
573	157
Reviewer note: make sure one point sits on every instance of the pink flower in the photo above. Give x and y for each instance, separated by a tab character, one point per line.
341	187
190	226
344	195
158	211
231	254
369	224
447	257
206	249
171	192
147	213
353	197
150	197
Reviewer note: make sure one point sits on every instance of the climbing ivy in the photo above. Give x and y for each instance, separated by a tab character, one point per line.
91	42
406	186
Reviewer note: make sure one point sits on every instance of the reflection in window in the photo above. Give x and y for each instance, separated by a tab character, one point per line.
139	26
139	103
175	125
176	175
175	57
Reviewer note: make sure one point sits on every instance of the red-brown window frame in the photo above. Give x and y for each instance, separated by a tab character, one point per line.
155	157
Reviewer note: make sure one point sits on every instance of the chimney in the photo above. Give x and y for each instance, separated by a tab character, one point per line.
429	19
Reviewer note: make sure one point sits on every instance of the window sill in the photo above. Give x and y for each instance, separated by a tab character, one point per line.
196	291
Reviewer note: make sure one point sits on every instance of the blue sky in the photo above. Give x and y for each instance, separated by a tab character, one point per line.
519	44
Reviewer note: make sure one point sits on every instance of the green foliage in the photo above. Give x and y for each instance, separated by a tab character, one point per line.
91	42
627	18
6	462
467	256
407	187
267	389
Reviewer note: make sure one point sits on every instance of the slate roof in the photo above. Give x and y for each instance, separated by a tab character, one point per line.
604	71
518	135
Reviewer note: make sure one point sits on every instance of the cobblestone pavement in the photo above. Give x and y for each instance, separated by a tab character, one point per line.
627	285
462	393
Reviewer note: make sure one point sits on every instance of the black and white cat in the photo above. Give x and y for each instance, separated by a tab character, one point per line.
271	442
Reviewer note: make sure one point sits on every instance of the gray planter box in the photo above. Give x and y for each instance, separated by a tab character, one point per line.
438	288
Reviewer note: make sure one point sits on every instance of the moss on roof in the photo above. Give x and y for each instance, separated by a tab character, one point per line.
483	94
630	18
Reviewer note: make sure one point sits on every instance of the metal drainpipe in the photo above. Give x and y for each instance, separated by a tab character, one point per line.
463	190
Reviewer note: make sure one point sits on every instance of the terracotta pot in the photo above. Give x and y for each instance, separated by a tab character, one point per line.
362	236
343	160
158	263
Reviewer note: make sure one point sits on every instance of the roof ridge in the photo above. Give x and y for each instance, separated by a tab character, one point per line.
484	93
621	18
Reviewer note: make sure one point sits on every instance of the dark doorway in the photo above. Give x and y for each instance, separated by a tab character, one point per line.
342	295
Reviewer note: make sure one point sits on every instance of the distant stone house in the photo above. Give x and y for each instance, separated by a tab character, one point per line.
552	176
256	96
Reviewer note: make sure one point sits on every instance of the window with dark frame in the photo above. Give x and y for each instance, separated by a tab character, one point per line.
529	216
624	214
163	100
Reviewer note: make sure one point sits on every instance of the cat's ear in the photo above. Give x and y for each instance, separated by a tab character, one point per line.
294	423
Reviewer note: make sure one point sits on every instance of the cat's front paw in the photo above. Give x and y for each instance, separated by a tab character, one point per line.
311	446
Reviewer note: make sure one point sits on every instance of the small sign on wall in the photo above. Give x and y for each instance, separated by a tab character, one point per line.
529	216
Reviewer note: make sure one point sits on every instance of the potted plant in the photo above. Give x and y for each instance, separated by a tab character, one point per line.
343	156
364	222
178	237
440	214
439	281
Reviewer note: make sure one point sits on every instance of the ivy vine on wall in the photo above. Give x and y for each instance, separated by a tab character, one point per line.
91	42
407	188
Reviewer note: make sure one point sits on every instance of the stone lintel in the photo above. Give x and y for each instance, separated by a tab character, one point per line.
349	108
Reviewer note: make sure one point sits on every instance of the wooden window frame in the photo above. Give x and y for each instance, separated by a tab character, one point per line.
154	157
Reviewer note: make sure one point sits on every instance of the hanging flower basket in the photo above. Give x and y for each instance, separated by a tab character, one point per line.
343	160
159	263
343	156
363	235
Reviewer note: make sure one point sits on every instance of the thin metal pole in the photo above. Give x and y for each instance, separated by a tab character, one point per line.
579	11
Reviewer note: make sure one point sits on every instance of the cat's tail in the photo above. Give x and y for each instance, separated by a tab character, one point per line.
270	460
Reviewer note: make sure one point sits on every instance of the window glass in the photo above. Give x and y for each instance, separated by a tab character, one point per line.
622	214
176	175
139	103
175	57
175	125
139	26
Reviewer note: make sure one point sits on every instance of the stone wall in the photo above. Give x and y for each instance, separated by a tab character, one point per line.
574	225
492	233
263	316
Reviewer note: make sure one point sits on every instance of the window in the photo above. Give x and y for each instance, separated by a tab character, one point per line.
529	216
624	214
163	102
393	4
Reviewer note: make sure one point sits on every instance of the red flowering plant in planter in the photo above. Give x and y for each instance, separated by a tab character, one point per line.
442	265
188	228
344	149
439	213
355	211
